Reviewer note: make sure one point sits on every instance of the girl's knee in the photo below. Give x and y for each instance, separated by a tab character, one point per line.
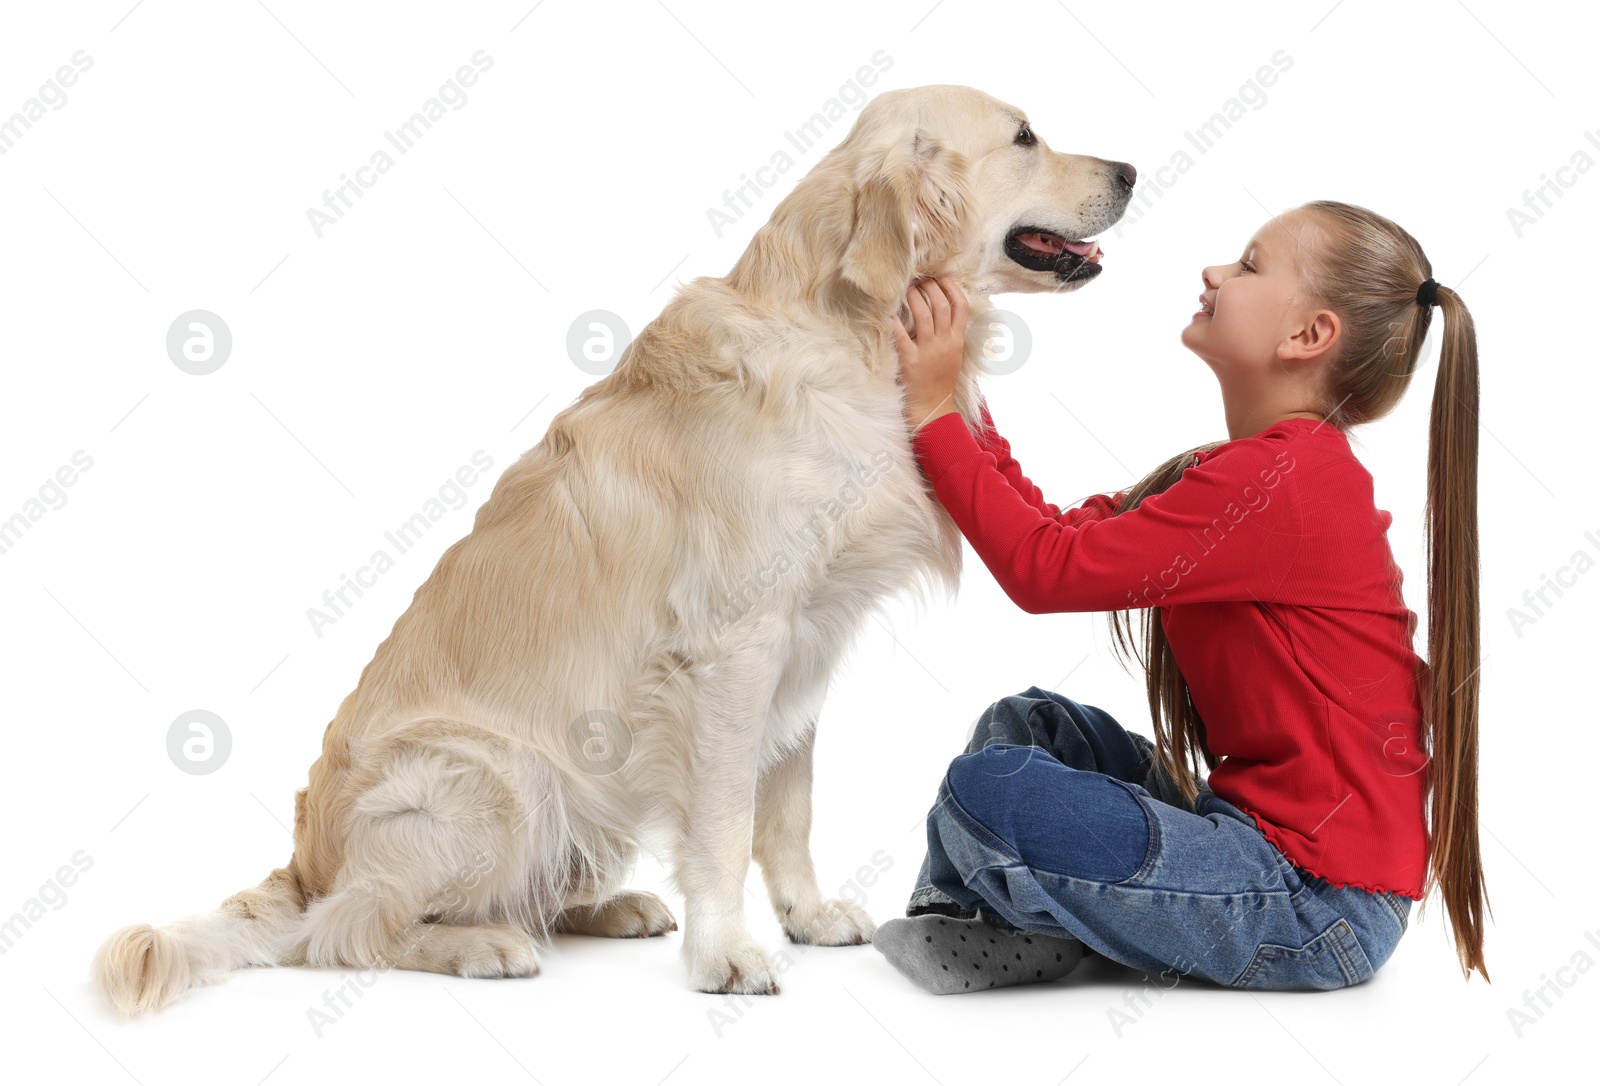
1077	734
981	777
984	782
1023	802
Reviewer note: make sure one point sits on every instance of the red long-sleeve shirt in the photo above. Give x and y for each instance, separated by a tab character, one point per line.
1271	569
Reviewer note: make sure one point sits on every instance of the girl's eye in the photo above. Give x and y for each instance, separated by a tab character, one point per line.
1247	266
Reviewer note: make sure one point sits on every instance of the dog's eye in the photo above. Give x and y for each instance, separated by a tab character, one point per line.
1025	136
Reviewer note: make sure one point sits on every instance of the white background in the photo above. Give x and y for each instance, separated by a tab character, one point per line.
369	364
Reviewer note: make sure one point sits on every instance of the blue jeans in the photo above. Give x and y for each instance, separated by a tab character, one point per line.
1057	820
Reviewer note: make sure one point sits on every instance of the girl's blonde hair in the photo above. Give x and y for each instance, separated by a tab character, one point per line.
1368	270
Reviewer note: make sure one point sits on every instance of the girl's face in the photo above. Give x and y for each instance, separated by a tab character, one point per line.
1255	315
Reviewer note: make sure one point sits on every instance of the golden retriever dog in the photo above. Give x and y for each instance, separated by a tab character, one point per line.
633	643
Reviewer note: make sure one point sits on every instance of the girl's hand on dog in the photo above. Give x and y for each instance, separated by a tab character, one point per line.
930	362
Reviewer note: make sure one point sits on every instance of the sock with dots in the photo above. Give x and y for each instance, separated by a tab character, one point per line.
947	955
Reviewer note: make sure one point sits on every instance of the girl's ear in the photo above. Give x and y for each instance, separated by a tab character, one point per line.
911	204
1315	337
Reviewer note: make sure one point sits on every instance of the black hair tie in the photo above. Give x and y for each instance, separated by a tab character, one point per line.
1428	293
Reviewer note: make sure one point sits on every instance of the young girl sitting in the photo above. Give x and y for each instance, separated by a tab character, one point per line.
1280	653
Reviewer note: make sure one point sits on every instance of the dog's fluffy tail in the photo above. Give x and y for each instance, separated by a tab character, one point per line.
142	968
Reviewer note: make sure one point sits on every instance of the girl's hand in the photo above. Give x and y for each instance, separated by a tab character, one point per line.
930	363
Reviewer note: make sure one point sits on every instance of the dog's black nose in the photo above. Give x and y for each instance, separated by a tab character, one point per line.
1126	174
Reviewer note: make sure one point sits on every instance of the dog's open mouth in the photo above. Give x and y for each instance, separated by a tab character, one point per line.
1038	249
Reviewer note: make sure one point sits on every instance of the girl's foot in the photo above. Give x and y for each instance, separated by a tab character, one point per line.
947	955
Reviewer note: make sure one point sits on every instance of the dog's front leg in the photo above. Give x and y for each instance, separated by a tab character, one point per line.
713	855
783	849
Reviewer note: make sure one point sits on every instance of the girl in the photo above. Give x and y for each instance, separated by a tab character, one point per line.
1282	654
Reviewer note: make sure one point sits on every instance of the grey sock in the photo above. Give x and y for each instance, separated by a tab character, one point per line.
947	955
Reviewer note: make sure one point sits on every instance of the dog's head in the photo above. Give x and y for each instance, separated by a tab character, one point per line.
950	181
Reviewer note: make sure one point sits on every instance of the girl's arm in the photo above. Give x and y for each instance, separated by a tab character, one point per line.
1228	529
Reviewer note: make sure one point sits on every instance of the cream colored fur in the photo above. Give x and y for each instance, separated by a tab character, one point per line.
671	574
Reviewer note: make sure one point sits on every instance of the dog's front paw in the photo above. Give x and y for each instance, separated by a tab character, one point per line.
831	922
733	966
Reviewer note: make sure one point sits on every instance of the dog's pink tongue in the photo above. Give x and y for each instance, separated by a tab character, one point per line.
1054	244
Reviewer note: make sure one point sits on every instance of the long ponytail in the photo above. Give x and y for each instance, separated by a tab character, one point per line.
1453	643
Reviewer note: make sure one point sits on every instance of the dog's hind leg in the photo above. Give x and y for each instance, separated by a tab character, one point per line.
782	848
454	857
467	950
630	914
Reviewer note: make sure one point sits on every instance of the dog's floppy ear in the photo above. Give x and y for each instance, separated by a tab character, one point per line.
909	206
